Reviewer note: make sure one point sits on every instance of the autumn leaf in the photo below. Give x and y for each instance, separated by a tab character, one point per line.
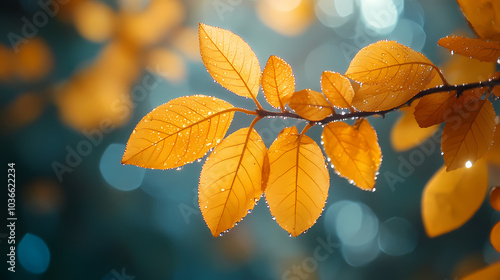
479	49
450	198
390	74
310	105
298	181
231	180
178	132
353	151
337	89
230	60
278	82
406	133
483	17
434	108
495	237
468	134
490	272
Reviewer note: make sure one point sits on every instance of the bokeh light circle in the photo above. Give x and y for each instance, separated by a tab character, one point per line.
120	177
397	237
33	254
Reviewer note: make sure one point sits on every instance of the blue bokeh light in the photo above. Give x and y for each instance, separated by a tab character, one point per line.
397	237
33	254
120	177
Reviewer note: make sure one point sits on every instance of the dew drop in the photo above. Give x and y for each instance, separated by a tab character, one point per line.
274	218
178	168
290	235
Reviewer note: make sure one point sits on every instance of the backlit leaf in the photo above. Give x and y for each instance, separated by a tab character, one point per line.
479	49
298	182
468	134
451	198
353	151
433	109
278	82
229	60
390	74
311	105
495	237
490	272
337	89
407	134
483	16
231	180
178	132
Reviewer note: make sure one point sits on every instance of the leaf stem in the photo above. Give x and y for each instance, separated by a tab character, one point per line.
363	114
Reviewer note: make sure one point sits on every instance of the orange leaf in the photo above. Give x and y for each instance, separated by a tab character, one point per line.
451	198
310	104
483	17
231	180
298	182
230	60
390	74
178	132
468	134
495	237
431	109
490	272
278	82
479	49
354	151
407	134
337	89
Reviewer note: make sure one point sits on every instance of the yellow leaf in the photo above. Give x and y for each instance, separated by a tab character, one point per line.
390	74
230	60
468	134
337	89
231	180
278	82
483	17
490	272
178	132
353	151
451	198
493	155
310	104
298	181
495	237
407	134
479	49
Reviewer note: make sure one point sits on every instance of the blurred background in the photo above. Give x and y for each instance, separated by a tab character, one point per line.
76	76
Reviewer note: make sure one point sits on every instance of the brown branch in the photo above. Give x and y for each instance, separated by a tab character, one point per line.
362	114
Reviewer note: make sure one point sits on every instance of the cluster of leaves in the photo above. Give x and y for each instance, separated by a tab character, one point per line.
292	173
